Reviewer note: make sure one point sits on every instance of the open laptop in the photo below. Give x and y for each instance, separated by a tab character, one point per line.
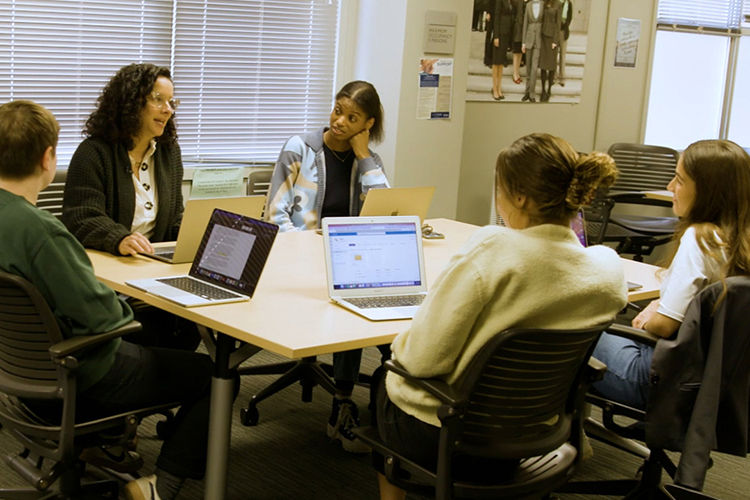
398	201
578	225
226	268
194	219
375	265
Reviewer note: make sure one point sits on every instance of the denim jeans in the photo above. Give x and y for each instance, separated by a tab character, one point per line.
628	366
146	376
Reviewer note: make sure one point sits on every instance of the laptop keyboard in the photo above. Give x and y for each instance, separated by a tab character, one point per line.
386	301
208	292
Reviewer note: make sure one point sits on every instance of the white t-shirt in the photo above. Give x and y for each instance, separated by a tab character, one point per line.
690	272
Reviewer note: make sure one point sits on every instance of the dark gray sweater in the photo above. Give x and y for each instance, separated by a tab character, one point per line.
99	200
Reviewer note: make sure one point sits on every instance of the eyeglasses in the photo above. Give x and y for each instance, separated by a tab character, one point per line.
160	101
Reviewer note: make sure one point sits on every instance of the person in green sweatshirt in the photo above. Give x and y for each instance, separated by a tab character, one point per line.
117	376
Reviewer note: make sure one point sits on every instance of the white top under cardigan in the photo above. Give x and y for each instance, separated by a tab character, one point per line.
503	278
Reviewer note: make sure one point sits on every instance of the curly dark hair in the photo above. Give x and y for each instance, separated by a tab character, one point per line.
117	118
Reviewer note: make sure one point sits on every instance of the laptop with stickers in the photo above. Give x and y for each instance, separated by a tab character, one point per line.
227	266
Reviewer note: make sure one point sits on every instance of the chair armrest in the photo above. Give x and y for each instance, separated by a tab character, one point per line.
595	370
438	388
80	342
635	334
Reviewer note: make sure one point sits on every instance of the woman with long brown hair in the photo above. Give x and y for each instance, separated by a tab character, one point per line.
712	198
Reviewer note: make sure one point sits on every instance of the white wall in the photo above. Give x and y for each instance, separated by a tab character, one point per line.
610	110
389	44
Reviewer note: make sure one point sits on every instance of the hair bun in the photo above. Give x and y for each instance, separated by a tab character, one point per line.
591	172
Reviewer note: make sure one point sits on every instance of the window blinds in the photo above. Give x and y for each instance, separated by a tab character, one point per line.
250	73
60	53
710	15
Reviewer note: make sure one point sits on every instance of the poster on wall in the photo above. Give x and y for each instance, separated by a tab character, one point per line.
628	36
435	89
528	50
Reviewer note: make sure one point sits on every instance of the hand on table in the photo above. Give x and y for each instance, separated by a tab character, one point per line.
135	243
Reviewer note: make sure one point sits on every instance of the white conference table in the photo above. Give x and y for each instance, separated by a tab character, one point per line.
290	314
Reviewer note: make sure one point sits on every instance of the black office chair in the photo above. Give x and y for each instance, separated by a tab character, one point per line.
520	398
720	351
51	197
36	363
642	168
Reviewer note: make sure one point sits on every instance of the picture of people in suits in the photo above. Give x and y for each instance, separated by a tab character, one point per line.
550	46
547	40
566	14
532	45
501	42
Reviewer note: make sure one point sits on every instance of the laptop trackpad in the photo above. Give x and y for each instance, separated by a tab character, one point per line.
167	291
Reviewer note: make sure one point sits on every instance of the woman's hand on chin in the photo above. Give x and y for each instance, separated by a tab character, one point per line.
360	144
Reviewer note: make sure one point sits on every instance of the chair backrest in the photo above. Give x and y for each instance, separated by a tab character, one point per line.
259	182
522	390
643	167
51	197
27	330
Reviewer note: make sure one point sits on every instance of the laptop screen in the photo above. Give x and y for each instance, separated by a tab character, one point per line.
376	255
578	225
233	251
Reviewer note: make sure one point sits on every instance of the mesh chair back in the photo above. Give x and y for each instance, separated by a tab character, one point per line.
27	330
259	182
643	167
521	386
51	198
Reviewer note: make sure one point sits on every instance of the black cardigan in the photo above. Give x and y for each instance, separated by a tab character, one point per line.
699	398
99	200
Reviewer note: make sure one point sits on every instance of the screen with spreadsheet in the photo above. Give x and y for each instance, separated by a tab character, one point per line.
376	255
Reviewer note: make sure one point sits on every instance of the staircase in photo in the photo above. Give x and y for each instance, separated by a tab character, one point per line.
479	85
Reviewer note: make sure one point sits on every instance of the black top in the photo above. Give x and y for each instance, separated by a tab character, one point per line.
336	201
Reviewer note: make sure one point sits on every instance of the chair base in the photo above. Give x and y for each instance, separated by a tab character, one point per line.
648	487
308	371
545	472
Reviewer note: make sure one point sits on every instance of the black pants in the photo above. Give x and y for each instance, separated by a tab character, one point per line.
143	377
419	441
162	329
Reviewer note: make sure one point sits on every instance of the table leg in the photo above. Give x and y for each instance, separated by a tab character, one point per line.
220	422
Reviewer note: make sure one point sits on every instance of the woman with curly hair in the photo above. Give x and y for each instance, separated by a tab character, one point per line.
123	188
124	184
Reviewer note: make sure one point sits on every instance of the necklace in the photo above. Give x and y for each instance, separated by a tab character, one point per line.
342	160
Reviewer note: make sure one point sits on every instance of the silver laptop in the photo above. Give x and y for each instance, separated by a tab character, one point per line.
226	268
398	201
375	265
194	219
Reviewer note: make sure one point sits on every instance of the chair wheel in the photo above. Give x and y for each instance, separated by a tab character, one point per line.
249	416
